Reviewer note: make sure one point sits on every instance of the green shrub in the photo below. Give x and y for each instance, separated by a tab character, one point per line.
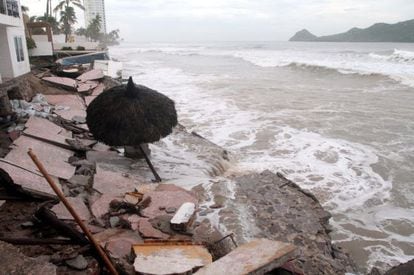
31	44
67	49
80	48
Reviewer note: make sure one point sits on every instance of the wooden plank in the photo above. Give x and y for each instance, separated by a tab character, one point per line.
256	257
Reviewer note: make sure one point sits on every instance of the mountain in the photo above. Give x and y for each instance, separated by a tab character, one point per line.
380	32
303	35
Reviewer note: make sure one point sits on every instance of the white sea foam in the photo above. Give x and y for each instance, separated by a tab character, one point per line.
339	172
398	65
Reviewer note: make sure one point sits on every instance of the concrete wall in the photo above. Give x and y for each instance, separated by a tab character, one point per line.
22	67
6	69
60	38
9	20
86	45
43	46
9	66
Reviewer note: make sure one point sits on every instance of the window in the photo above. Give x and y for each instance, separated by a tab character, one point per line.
18	45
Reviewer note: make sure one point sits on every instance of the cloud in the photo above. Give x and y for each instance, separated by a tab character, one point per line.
243	19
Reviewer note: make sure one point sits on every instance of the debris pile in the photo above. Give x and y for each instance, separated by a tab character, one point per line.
144	227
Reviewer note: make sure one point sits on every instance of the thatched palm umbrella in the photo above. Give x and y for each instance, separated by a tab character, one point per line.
129	115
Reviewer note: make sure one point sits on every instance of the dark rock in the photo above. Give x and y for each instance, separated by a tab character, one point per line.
402	269
147	231
162	223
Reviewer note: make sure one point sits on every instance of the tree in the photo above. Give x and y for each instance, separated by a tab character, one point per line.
93	31
67	19
63	4
67	15
81	32
110	39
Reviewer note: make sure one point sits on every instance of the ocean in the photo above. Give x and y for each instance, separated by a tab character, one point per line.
336	118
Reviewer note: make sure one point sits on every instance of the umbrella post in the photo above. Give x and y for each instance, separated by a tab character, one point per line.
157	177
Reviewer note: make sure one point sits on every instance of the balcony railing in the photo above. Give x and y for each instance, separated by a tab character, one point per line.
9	7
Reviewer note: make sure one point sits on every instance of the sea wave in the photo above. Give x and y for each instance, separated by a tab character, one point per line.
396	65
398	56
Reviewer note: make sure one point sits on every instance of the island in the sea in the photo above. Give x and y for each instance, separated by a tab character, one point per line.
379	32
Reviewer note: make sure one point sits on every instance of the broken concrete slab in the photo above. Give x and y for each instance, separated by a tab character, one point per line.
118	242
89	99
36	126
62	81
54	158
80	180
259	256
183	217
30	181
167	258
67	106
102	205
147	231
78	204
87	86
108	182
91	75
15	262
98	90
161	200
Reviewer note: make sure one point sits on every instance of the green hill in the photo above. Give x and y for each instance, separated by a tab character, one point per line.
380	32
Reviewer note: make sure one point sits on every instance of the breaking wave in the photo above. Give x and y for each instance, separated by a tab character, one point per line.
396	65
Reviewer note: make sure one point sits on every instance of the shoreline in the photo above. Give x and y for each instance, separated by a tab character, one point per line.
228	194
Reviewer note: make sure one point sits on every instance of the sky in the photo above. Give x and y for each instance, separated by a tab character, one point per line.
239	20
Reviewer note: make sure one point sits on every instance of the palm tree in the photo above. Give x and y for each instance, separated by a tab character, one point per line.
67	15
66	3
93	31
67	18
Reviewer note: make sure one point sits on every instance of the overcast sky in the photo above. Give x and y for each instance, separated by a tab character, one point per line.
231	20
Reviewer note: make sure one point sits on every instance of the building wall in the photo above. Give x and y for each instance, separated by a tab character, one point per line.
93	8
6	69
10	67
22	67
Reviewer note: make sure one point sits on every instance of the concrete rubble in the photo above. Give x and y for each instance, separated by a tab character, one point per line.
258	256
144	227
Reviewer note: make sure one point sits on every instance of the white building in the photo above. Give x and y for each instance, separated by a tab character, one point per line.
92	9
14	58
